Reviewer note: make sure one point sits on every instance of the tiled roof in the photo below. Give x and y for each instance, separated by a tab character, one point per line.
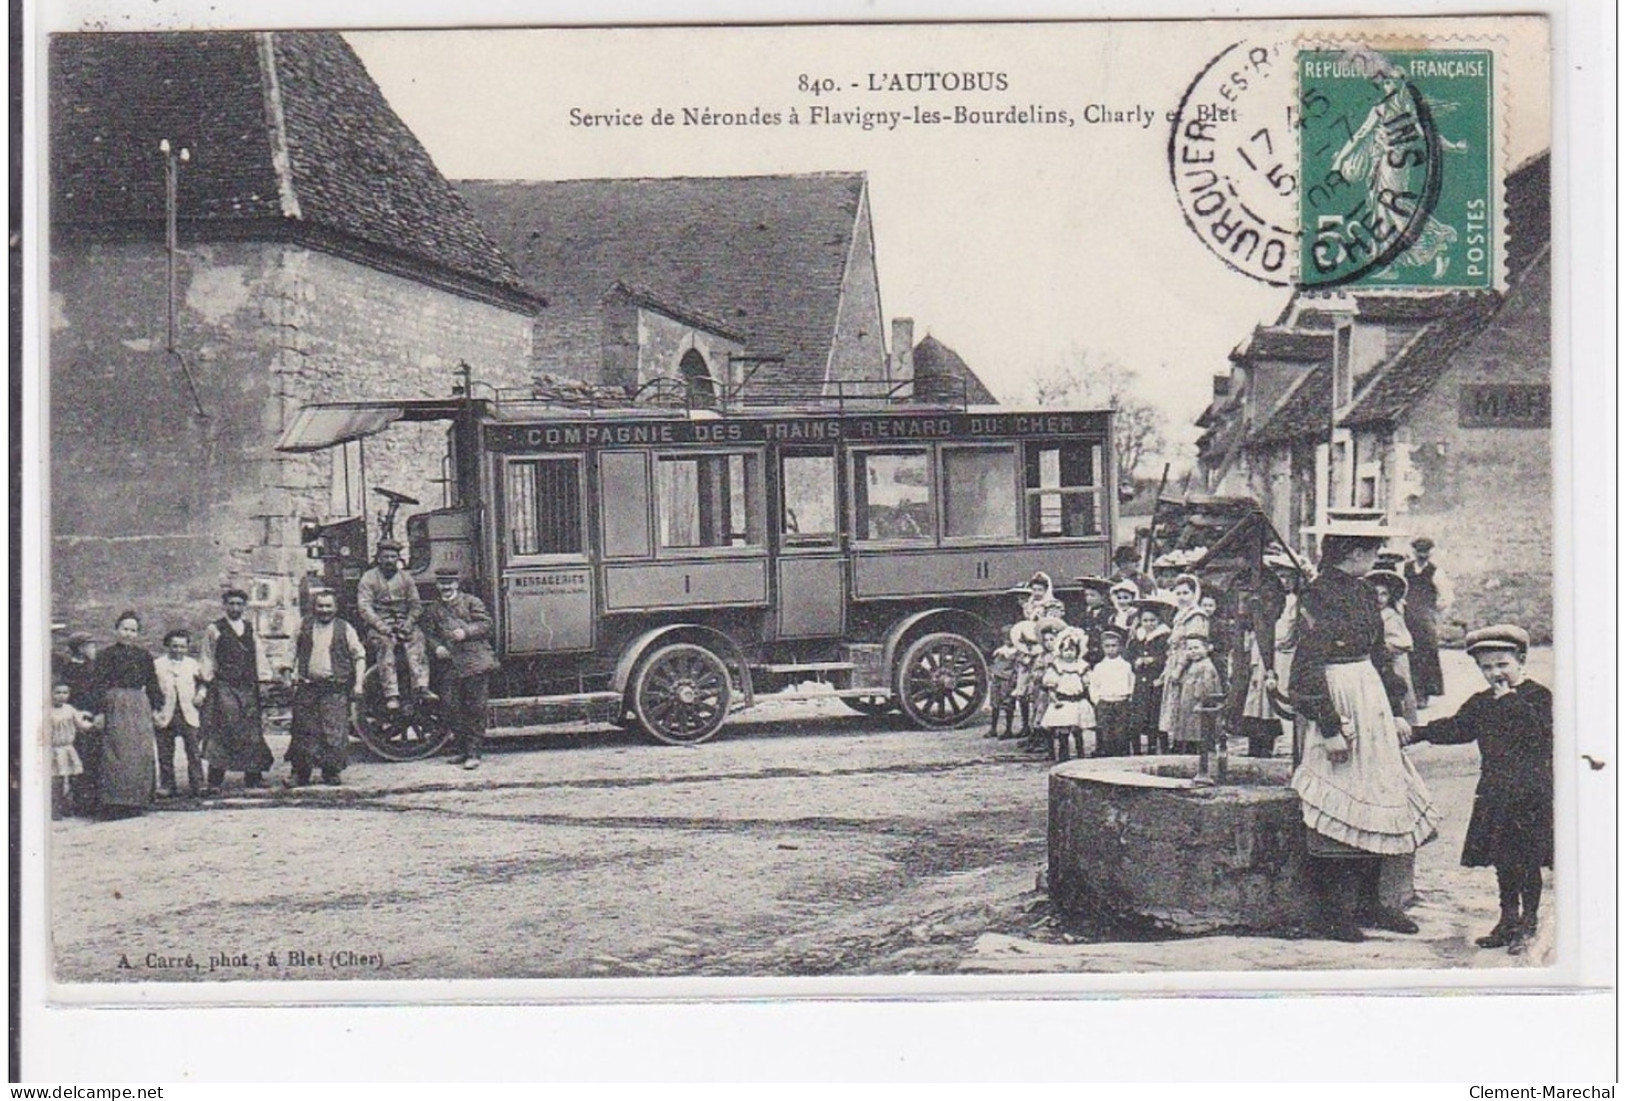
1306	410
1450	322
287	134
934	361
763	254
1418	365
1529	212
1458	318
643	296
1288	345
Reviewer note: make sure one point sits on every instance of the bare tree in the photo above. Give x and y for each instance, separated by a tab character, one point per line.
1090	382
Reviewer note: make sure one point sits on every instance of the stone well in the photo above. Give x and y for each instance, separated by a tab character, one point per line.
1135	842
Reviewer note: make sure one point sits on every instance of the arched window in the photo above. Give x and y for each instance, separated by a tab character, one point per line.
702	388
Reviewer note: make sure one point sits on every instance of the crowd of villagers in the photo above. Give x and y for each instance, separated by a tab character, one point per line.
1148	658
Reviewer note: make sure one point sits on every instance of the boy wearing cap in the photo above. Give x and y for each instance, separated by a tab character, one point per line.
1511	826
1002	676
387	598
459	628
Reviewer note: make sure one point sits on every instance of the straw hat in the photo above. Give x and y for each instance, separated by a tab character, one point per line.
1389	580
1354	527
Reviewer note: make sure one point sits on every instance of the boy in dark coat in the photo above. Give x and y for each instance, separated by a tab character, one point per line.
1511	826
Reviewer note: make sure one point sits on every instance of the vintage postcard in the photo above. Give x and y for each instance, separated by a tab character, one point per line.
959	508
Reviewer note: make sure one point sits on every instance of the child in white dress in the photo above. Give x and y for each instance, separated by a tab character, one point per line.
64	723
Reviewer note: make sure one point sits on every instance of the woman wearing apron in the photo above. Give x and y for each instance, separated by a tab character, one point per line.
1362	800
130	693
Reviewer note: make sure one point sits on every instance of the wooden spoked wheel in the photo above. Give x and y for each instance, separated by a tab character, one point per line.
409	734
941	680
870	705
680	694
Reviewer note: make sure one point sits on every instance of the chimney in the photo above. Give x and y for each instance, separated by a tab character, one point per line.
902	349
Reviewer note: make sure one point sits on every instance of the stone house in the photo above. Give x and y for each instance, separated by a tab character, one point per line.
765	278
1436	410
321	255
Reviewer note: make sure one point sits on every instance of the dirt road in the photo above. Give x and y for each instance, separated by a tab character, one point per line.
806	841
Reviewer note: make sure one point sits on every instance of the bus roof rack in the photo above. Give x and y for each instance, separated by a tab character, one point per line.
705	394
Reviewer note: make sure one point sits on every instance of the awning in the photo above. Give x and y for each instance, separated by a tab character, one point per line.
322	426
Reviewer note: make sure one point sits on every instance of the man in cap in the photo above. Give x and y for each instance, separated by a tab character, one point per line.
232	665
387	597
1428	595
329	665
459	630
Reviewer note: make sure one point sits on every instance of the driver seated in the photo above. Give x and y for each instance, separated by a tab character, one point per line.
388	600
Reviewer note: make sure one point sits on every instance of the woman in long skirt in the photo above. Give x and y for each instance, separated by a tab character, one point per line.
1361	797
1189	622
130	693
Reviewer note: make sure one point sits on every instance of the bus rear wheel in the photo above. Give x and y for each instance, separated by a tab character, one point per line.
680	694
941	680
870	705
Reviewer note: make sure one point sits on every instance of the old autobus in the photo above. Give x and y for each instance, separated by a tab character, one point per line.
663	562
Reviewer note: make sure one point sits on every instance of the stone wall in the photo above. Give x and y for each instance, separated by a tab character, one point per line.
568	340
156	508
859	349
1485	494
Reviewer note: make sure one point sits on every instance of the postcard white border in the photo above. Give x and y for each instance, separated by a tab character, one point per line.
1018	1033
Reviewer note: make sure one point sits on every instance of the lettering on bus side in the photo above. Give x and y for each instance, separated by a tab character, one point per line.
813	429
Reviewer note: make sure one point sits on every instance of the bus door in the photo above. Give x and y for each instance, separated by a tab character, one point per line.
546	585
812	580
683	529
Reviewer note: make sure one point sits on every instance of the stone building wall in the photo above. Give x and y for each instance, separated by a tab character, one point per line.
1485	494
859	348
156	508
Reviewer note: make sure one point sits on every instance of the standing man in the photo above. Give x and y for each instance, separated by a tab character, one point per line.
387	597
1427	596
232	666
328	666
459	628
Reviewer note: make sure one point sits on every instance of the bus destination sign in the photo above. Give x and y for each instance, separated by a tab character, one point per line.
910	428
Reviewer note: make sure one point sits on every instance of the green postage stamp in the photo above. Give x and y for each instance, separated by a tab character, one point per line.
1397	154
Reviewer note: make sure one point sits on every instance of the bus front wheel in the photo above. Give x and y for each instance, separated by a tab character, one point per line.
941	680
680	694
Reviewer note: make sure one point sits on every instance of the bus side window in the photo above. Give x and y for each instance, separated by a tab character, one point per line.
977	502
809	498
892	494
543	507
1063	499
709	501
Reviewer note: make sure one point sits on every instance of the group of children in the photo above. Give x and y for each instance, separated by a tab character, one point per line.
1126	680
1129	679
